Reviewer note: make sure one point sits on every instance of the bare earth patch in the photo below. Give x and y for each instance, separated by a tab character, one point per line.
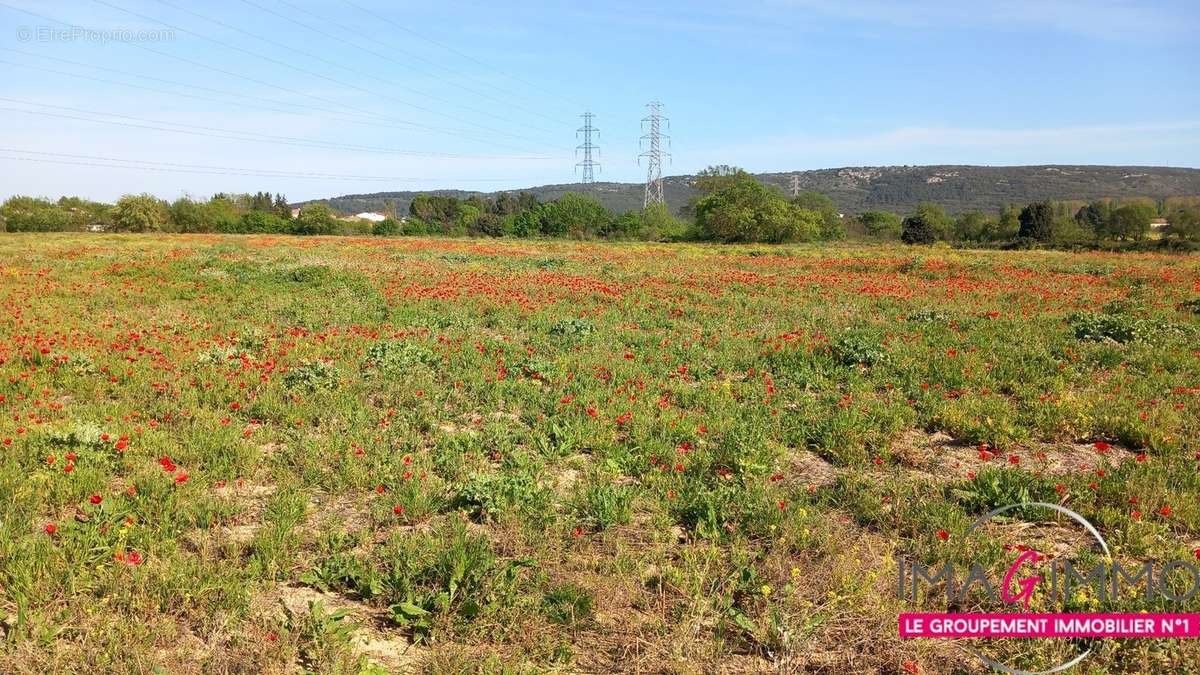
937	456
372	639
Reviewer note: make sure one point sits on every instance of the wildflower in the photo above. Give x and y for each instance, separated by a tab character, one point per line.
1165	511
1101	446
943	535
181	478
69	468
782	505
379	489
1135	514
766	591
398	510
95	499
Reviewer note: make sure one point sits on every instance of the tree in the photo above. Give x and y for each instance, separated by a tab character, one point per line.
656	223
435	209
488	224
222	214
831	221
281	207
1184	222
1037	221
314	218
1094	216
576	215
926	225
717	177
1130	221
189	216
32	214
880	223
139	213
736	206
1008	226
973	226
388	227
263	222
918	229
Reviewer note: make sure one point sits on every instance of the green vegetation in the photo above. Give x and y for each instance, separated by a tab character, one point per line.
728	205
364	455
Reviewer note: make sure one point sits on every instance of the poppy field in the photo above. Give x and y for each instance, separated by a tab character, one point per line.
244	454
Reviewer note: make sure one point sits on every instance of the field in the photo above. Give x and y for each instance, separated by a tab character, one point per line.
255	454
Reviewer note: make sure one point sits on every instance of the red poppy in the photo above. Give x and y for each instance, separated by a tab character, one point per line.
50	528
943	535
181	478
95	499
397	509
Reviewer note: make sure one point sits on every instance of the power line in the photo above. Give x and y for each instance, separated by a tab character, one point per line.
450	49
390	83
654	154
295	92
118	163
291	66
404	64
216	132
588	165
235	102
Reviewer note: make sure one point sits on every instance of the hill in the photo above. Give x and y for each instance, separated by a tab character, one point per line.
891	188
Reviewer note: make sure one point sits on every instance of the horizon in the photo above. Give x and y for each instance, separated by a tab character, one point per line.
263	95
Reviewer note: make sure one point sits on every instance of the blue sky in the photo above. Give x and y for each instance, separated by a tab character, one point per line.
334	97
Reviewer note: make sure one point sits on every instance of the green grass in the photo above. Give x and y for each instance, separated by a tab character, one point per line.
353	455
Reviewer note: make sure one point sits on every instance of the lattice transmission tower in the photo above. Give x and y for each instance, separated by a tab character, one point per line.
588	165
795	184
654	154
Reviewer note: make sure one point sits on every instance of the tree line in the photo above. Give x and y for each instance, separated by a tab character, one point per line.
1104	222
730	206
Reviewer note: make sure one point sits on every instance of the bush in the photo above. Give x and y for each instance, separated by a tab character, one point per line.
30	214
388	227
314	219
917	230
139	213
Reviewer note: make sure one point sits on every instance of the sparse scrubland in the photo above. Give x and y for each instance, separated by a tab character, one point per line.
243	454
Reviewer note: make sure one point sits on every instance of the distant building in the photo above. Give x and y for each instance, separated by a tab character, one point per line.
295	213
1158	223
371	216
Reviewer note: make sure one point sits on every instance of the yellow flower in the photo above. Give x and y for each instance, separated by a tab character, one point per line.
766	590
